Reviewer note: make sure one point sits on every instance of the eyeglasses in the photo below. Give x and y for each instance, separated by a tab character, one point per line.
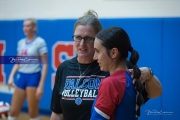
86	39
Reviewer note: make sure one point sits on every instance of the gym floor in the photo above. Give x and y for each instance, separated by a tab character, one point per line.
24	116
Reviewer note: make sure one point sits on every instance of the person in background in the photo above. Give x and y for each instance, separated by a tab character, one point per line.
31	77
77	80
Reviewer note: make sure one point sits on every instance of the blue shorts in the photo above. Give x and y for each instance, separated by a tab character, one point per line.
28	80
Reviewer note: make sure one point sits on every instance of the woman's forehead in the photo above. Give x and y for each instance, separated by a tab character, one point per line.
97	43
86	29
27	22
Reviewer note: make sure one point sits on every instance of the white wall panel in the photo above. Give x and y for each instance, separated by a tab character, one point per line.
58	9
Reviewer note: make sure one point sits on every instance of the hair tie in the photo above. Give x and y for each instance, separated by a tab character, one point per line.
131	49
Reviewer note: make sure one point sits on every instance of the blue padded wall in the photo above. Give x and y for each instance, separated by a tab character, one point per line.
156	39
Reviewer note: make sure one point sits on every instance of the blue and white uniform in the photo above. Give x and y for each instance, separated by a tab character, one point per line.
29	74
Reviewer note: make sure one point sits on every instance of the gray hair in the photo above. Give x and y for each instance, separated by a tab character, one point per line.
89	18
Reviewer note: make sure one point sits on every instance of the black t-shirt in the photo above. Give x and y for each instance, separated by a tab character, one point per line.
73	95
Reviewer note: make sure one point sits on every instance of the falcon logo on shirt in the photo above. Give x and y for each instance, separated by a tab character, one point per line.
81	89
78	101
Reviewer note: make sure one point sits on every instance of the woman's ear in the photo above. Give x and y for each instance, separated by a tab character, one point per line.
114	53
35	29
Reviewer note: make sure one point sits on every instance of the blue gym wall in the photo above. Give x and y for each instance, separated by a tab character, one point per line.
156	39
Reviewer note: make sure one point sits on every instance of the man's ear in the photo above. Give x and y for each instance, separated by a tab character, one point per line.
114	53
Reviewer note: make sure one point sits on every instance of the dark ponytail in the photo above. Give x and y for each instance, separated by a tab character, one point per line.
115	37
136	75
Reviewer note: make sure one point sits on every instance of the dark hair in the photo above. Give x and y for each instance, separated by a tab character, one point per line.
89	18
116	37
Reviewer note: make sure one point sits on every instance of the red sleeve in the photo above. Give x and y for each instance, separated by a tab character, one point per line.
110	95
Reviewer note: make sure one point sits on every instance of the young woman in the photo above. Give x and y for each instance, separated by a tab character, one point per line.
31	79
78	79
116	99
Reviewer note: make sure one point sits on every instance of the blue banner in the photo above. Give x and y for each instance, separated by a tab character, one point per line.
22	60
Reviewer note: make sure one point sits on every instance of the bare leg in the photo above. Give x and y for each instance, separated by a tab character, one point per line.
33	102
17	101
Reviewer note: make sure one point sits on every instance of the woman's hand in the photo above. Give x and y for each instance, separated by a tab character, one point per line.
11	76
39	92
55	116
145	74
152	84
11	81
40	89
